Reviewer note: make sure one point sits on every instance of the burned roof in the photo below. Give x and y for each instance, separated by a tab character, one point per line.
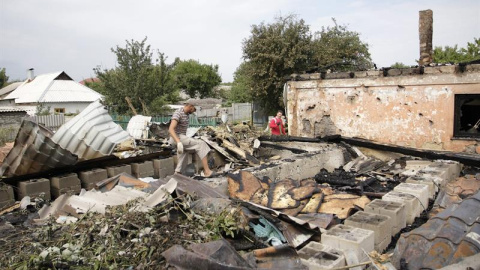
445	239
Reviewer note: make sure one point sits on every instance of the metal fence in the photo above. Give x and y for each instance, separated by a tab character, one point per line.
52	122
123	120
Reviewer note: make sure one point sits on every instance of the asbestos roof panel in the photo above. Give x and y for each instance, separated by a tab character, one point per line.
9	88
34	152
138	126
444	239
12	109
69	91
32	91
91	134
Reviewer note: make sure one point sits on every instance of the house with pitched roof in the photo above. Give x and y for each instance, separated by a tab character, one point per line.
57	92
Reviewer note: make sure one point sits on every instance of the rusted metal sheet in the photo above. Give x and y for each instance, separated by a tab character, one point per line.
445	239
34	152
342	204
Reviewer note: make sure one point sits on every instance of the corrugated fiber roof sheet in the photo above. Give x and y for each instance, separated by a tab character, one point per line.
91	134
31	92
445	239
34	152
69	91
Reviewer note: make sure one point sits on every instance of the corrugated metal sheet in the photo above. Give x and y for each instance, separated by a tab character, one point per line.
34	151
138	126
32	91
445	239
69	91
91	134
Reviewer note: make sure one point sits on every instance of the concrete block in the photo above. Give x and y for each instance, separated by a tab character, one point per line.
318	256
34	188
66	184
454	168
412	204
417	164
302	166
90	178
381	226
116	170
349	238
7	198
144	169
425	179
418	190
163	167
395	210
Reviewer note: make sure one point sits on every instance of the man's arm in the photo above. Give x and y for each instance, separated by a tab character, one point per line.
273	123
171	130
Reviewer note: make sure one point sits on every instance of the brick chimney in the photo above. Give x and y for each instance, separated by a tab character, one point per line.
425	30
30	74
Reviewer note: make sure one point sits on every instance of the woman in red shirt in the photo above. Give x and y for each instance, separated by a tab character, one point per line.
276	125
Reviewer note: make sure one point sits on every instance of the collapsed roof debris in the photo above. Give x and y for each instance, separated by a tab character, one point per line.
90	134
283	204
34	151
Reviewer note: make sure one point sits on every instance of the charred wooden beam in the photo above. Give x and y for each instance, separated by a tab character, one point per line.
281	147
86	165
466	159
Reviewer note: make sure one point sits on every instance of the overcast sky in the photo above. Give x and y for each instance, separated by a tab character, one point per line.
75	36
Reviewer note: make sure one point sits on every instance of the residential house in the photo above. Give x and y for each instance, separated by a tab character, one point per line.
57	92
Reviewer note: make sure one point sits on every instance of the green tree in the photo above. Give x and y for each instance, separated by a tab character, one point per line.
3	78
198	80
241	91
137	76
454	54
338	49
399	65
273	52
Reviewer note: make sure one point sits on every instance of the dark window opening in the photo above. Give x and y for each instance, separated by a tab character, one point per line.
59	110
467	116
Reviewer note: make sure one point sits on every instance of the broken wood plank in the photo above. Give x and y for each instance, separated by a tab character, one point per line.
217	147
240	152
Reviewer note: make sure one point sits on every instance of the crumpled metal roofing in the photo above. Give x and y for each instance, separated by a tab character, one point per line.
34	151
444	239
138	126
91	134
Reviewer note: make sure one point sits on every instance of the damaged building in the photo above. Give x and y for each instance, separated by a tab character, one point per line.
381	170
